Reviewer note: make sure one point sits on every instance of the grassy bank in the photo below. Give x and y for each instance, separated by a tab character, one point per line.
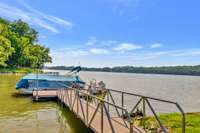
173	122
18	70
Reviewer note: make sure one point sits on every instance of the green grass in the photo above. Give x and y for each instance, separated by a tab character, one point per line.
173	122
18	70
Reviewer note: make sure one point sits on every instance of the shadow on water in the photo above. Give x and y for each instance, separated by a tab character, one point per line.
19	95
76	125
65	115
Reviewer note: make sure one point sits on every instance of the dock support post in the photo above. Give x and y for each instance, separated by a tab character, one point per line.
130	121
131	127
108	106
77	110
144	112
36	97
102	117
71	99
87	109
122	102
62	98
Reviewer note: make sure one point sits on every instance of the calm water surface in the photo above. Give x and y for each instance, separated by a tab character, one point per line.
182	89
21	115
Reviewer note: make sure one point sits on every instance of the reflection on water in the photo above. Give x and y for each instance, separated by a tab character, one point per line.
19	114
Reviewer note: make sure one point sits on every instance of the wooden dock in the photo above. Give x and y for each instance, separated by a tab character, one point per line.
94	113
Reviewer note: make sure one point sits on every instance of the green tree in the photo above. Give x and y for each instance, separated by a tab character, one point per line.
19	45
23	29
5	51
37	55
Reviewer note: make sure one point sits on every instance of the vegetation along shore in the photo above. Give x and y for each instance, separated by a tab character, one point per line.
177	70
22	70
173	122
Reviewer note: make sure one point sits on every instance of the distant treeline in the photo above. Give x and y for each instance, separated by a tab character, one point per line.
178	70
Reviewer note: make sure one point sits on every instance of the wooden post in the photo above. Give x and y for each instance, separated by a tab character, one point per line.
131	127
122	102
77	102
144	113
87	109
102	117
108	106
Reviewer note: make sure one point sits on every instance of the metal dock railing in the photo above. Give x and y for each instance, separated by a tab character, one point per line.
105	114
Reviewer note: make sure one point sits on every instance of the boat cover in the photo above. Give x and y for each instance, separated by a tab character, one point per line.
46	81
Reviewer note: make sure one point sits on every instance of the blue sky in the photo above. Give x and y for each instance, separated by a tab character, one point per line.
98	33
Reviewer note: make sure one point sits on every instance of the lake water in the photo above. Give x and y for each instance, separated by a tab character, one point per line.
178	88
22	115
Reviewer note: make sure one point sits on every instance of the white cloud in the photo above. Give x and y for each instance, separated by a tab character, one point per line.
60	21
127	47
187	52
68	56
33	17
99	51
74	55
69	52
92	41
78	53
43	24
108	42
167	54
51	18
176	53
156	45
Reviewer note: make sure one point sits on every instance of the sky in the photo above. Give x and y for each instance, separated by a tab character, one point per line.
107	33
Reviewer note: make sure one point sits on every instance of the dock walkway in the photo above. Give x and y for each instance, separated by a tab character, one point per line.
105	116
95	114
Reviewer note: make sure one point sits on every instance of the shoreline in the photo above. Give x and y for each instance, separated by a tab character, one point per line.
127	72
12	73
9	71
17	71
169	70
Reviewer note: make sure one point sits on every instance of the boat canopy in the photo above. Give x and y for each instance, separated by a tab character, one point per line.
46	81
